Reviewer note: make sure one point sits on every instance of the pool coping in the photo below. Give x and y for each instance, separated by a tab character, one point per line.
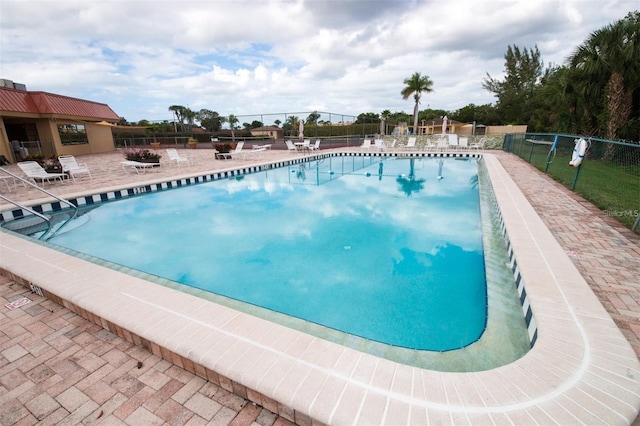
581	369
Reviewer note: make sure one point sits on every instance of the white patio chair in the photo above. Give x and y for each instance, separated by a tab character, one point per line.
290	146
411	143
175	156
379	144
453	141
244	154
315	146
72	167
463	143
478	145
35	173
366	144
138	167
429	145
442	144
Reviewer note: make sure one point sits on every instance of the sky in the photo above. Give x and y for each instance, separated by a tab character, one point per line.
254	58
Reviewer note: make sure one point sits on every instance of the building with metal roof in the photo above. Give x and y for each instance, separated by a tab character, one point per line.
41	123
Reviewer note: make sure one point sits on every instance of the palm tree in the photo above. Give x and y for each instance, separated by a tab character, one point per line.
190	117
608	63
178	110
233	120
415	85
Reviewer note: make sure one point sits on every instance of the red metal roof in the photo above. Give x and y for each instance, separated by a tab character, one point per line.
49	104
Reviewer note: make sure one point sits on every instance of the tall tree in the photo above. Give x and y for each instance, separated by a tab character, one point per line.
178	111
291	124
562	99
608	63
184	116
516	93
367	117
210	120
481	114
190	117
312	117
233	121
415	85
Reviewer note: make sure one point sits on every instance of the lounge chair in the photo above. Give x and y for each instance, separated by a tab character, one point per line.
379	144
411	143
35	172
443	143
290	146
254	153
175	156
266	146
72	167
478	145
137	166
463	143
453	141
236	151
429	145
366	144
243	154
316	146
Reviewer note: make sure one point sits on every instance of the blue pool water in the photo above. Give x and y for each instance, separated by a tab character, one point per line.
386	249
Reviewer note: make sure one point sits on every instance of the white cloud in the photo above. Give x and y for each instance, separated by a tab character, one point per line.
246	57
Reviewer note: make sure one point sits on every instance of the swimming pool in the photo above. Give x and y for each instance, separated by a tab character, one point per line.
580	370
506	337
388	250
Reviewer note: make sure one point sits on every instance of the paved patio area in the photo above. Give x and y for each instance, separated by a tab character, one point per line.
57	368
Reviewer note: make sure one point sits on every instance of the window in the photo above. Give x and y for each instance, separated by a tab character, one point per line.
72	134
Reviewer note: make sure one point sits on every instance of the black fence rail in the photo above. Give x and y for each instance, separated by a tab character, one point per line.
609	175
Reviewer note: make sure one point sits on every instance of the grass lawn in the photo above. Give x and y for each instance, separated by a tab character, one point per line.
613	188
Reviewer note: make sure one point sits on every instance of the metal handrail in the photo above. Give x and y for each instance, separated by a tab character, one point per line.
30	210
40	215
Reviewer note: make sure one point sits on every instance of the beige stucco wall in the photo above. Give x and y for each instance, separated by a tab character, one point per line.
503	130
5	148
467	129
47	133
100	140
273	134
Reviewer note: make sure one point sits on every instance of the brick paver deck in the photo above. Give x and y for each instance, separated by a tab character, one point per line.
57	368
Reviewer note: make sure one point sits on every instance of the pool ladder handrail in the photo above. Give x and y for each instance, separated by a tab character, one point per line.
47	233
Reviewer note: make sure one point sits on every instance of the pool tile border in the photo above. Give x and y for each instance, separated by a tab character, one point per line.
306	379
529	318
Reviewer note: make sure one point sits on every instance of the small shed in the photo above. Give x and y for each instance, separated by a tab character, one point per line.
271	132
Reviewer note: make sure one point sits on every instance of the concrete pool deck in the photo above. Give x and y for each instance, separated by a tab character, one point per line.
580	371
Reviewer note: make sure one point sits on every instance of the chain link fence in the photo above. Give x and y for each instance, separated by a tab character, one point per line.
609	175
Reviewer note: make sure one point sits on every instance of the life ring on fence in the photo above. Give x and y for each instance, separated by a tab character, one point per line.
578	152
